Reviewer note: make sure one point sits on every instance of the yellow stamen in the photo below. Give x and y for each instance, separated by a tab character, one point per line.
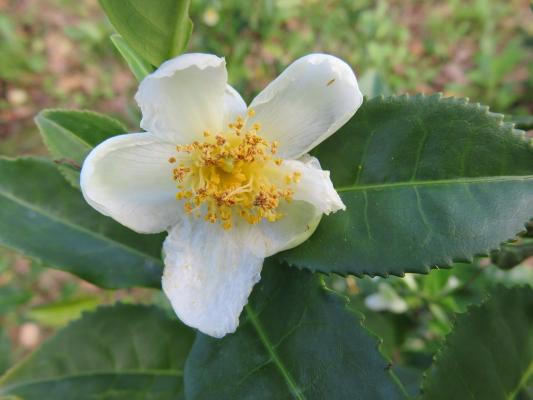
231	175
296	176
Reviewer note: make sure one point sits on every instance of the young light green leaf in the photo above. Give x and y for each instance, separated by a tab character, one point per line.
426	181
129	352
489	355
61	312
71	134
138	66
157	31
296	340
44	217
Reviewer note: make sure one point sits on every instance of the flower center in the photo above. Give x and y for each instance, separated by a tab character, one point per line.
232	173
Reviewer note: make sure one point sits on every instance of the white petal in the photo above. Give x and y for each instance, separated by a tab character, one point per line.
297	225
184	97
128	177
307	103
209	274
234	105
315	185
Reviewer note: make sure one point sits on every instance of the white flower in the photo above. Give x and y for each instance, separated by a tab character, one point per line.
231	184
386	299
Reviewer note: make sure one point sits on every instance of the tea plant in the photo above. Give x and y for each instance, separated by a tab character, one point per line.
247	215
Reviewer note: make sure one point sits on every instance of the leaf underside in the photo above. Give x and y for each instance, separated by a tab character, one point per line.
120	352
44	217
489	355
426	181
296	339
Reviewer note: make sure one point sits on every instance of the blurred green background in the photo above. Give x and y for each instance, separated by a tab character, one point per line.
57	53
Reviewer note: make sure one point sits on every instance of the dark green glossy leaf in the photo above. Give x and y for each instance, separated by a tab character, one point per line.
121	352
489	355
513	253
157	31
426	181
71	134
296	339
138	66
44	217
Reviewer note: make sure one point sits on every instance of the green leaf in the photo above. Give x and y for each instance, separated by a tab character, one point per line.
296	339
426	181
61	312
12	297
524	122
71	134
44	217
138	66
5	350
157	31
120	352
512	254
489	355
373	84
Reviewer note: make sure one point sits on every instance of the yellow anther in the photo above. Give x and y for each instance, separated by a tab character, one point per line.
274	147
296	176
172	160
230	175
271	218
240	176
188	208
251	112
226	225
211	218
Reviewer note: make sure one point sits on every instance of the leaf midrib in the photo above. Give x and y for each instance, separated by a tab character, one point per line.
393	185
149	372
289	380
64	130
45	117
78	228
523	381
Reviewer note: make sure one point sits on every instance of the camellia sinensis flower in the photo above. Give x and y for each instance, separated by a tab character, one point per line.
231	184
